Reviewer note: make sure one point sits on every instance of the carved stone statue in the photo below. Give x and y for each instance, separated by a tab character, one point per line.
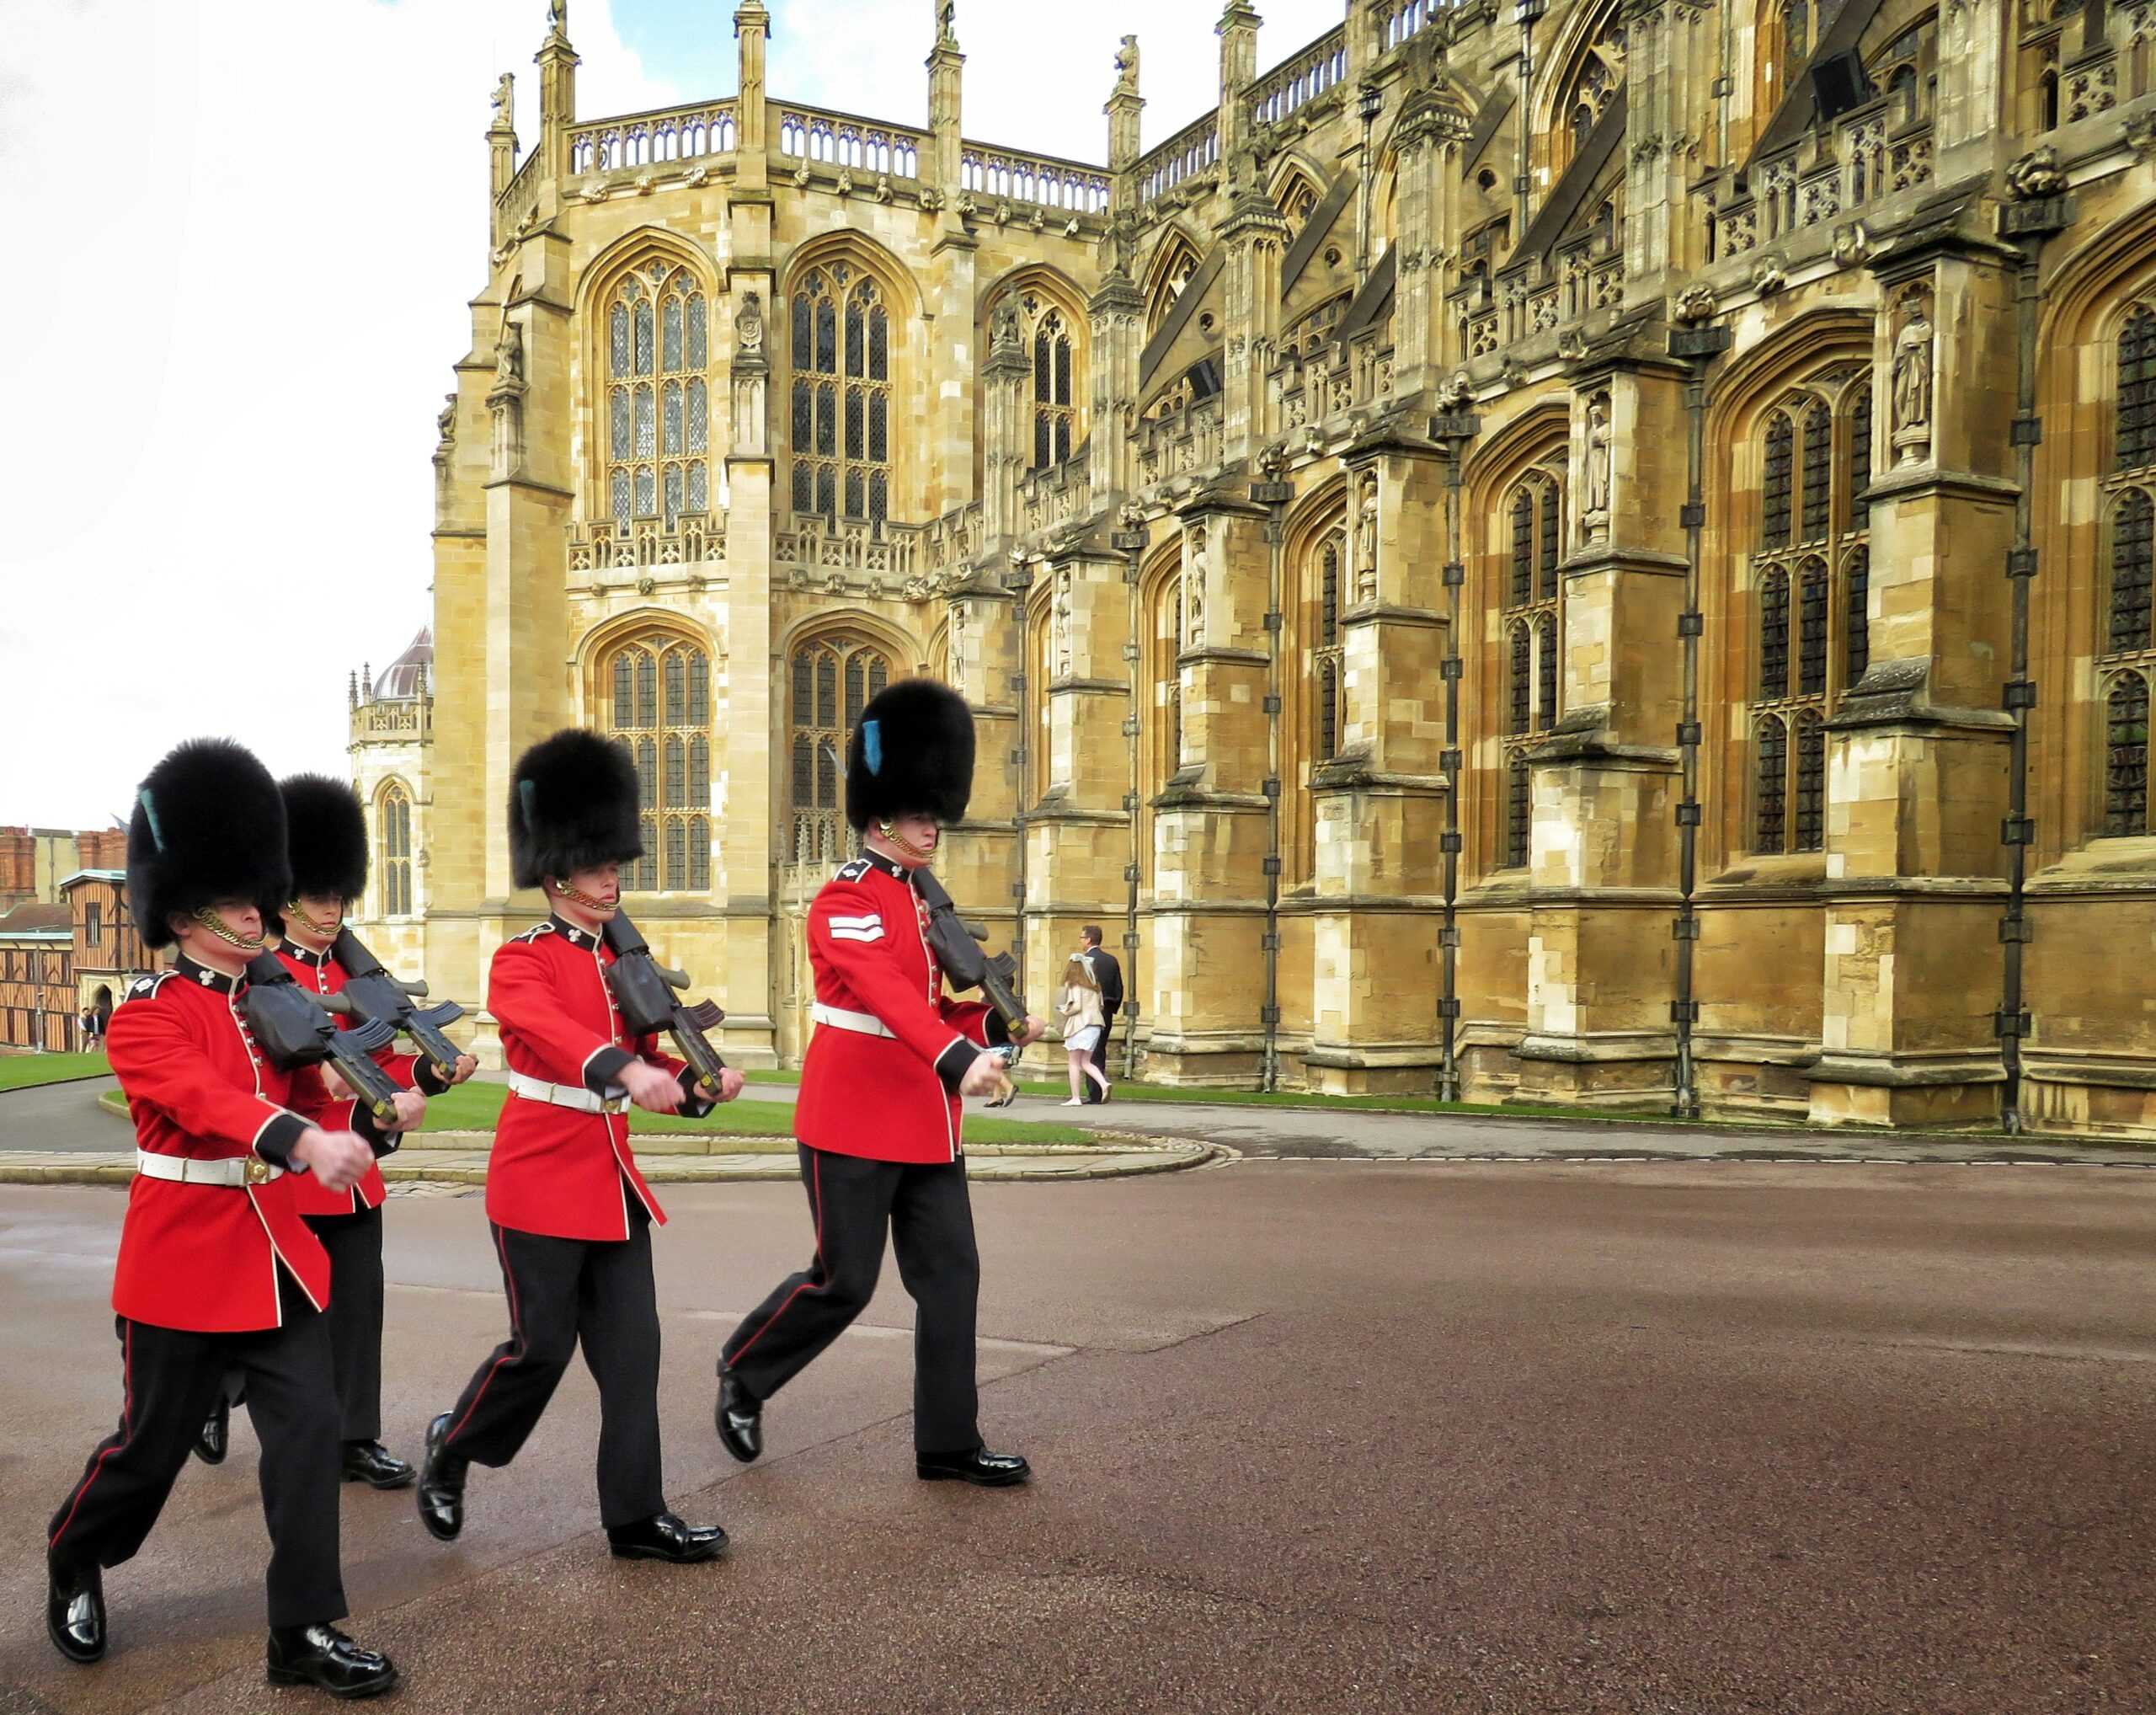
1059	623
446	421
1193	587
1695	304
1598	455
1003	326
1913	381
1454	393
749	328
504	98
947	24
557	16
2035	175
1126	67
509	356
1366	530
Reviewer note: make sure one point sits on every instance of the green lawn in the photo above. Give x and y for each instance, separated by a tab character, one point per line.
475	1107
18	1071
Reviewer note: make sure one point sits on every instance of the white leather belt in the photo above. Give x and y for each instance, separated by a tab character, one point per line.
565	1096
235	1172
867	1023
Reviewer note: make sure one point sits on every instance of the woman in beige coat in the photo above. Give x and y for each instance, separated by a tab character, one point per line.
1083	1021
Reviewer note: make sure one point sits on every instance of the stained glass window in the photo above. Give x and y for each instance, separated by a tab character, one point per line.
1518	813
1858	603
1818	463
1326	657
822	724
1812	629
1522	709
2137	391
393	839
1545	690
1770	747
1811	782
661	709
1774	634
842	435
2125	740
657	409
1775	489
2131	543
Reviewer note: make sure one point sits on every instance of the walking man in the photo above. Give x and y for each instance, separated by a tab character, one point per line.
218	1271
877	1121
328	847
1108	975
571	1216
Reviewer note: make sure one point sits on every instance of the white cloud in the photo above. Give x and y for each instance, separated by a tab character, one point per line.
248	231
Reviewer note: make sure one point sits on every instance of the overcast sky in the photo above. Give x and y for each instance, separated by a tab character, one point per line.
245	234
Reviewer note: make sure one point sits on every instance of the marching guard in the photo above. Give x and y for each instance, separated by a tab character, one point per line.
878	1117
217	1270
328	848
571	1215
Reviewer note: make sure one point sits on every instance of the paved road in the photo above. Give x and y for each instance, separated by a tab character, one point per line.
67	1117
1311	1436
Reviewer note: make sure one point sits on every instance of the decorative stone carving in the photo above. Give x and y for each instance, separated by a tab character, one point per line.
1912	376
508	357
1455	394
504	99
1769	277
1852	243
445	423
2035	175
1695	304
1126	67
751	371
749	328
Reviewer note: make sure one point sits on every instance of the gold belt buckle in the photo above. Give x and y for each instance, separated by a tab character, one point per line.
258	1171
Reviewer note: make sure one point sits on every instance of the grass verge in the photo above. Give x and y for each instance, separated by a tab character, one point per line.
22	1071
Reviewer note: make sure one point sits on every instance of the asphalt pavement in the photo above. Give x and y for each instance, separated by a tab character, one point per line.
1341	1435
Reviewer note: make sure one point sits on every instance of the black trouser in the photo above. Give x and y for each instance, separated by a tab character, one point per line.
855	1202
170	1377
353	1243
564	1292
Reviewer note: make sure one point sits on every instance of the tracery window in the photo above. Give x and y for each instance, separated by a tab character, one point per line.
1532	674
658	705
1056	409
1812	577
393	822
658	399
2128	636
1597	77
830	679
1167	651
841	404
1327	667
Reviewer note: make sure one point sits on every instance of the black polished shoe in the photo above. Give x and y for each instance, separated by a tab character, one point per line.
323	1657
663	1537
739	1417
441	1485
74	1610
984	1469
373	1464
215	1434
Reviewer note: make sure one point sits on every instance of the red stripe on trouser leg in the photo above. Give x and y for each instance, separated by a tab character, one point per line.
516	1335
816	1261
127	1430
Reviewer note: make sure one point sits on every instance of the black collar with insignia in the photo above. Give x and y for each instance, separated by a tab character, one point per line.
215	981
889	866
569	931
306	955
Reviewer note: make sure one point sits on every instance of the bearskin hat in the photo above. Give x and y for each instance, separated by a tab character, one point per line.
326	833
572	806
911	753
209	825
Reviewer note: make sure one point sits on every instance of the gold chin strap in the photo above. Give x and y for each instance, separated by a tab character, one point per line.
327	932
224	931
922	854
580	897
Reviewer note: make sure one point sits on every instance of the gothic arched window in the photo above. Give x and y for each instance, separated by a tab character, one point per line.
842	414
1812	569
1530	668
1055	414
658	400
658	705
392	822
829	680
2125	756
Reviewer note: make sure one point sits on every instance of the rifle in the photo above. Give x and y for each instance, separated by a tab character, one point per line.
296	1029
376	996
958	949
644	992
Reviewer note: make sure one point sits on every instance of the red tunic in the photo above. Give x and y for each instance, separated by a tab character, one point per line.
555	1170
320	974
204	1257
890	1099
